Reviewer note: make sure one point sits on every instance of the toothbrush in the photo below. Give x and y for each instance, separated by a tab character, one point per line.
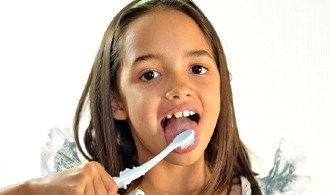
182	141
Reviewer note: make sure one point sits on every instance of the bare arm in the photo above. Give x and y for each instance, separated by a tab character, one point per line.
20	188
88	179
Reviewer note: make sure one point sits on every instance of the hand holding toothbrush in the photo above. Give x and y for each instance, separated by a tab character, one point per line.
91	179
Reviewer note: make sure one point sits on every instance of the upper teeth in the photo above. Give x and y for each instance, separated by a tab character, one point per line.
180	114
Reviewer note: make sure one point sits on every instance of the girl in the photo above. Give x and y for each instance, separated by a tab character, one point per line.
160	69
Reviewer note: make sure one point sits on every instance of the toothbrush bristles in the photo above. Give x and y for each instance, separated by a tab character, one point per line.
188	143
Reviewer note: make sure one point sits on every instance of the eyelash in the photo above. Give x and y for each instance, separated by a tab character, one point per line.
200	67
155	74
148	73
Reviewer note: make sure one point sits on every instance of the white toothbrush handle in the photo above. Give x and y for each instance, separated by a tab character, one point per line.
129	175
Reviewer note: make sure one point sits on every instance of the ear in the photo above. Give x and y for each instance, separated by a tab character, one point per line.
118	110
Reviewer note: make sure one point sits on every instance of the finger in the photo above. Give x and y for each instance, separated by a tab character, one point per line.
99	186
90	173
109	184
89	189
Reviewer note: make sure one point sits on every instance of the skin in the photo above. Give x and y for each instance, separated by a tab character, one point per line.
170	45
89	179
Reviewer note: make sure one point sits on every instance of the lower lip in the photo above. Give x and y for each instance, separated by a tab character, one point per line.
191	147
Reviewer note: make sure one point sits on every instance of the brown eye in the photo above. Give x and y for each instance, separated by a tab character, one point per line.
198	69
149	75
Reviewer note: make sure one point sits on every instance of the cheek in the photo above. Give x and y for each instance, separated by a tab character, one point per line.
136	100
141	107
214	106
212	89
212	97
142	119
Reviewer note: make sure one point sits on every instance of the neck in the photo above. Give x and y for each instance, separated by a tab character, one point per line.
166	178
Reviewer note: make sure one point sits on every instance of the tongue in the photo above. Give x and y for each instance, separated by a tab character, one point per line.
176	126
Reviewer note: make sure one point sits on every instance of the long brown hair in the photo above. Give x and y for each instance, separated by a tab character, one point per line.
110	141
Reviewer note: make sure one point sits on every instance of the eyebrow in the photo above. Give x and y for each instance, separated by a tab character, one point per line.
198	53
195	53
144	58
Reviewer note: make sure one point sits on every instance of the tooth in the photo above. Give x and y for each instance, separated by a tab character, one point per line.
169	116
186	113
191	113
178	114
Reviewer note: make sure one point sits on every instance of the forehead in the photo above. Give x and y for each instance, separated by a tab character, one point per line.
162	28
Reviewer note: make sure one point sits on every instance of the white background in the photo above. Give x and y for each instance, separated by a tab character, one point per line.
277	50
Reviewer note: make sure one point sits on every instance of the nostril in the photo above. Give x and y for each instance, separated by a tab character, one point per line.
179	92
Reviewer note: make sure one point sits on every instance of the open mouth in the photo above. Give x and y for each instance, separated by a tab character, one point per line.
178	115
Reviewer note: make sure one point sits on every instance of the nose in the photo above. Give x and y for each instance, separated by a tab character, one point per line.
178	88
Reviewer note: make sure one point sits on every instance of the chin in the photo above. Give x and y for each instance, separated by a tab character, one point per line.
186	159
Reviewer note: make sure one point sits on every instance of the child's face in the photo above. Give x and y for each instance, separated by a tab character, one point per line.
167	66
